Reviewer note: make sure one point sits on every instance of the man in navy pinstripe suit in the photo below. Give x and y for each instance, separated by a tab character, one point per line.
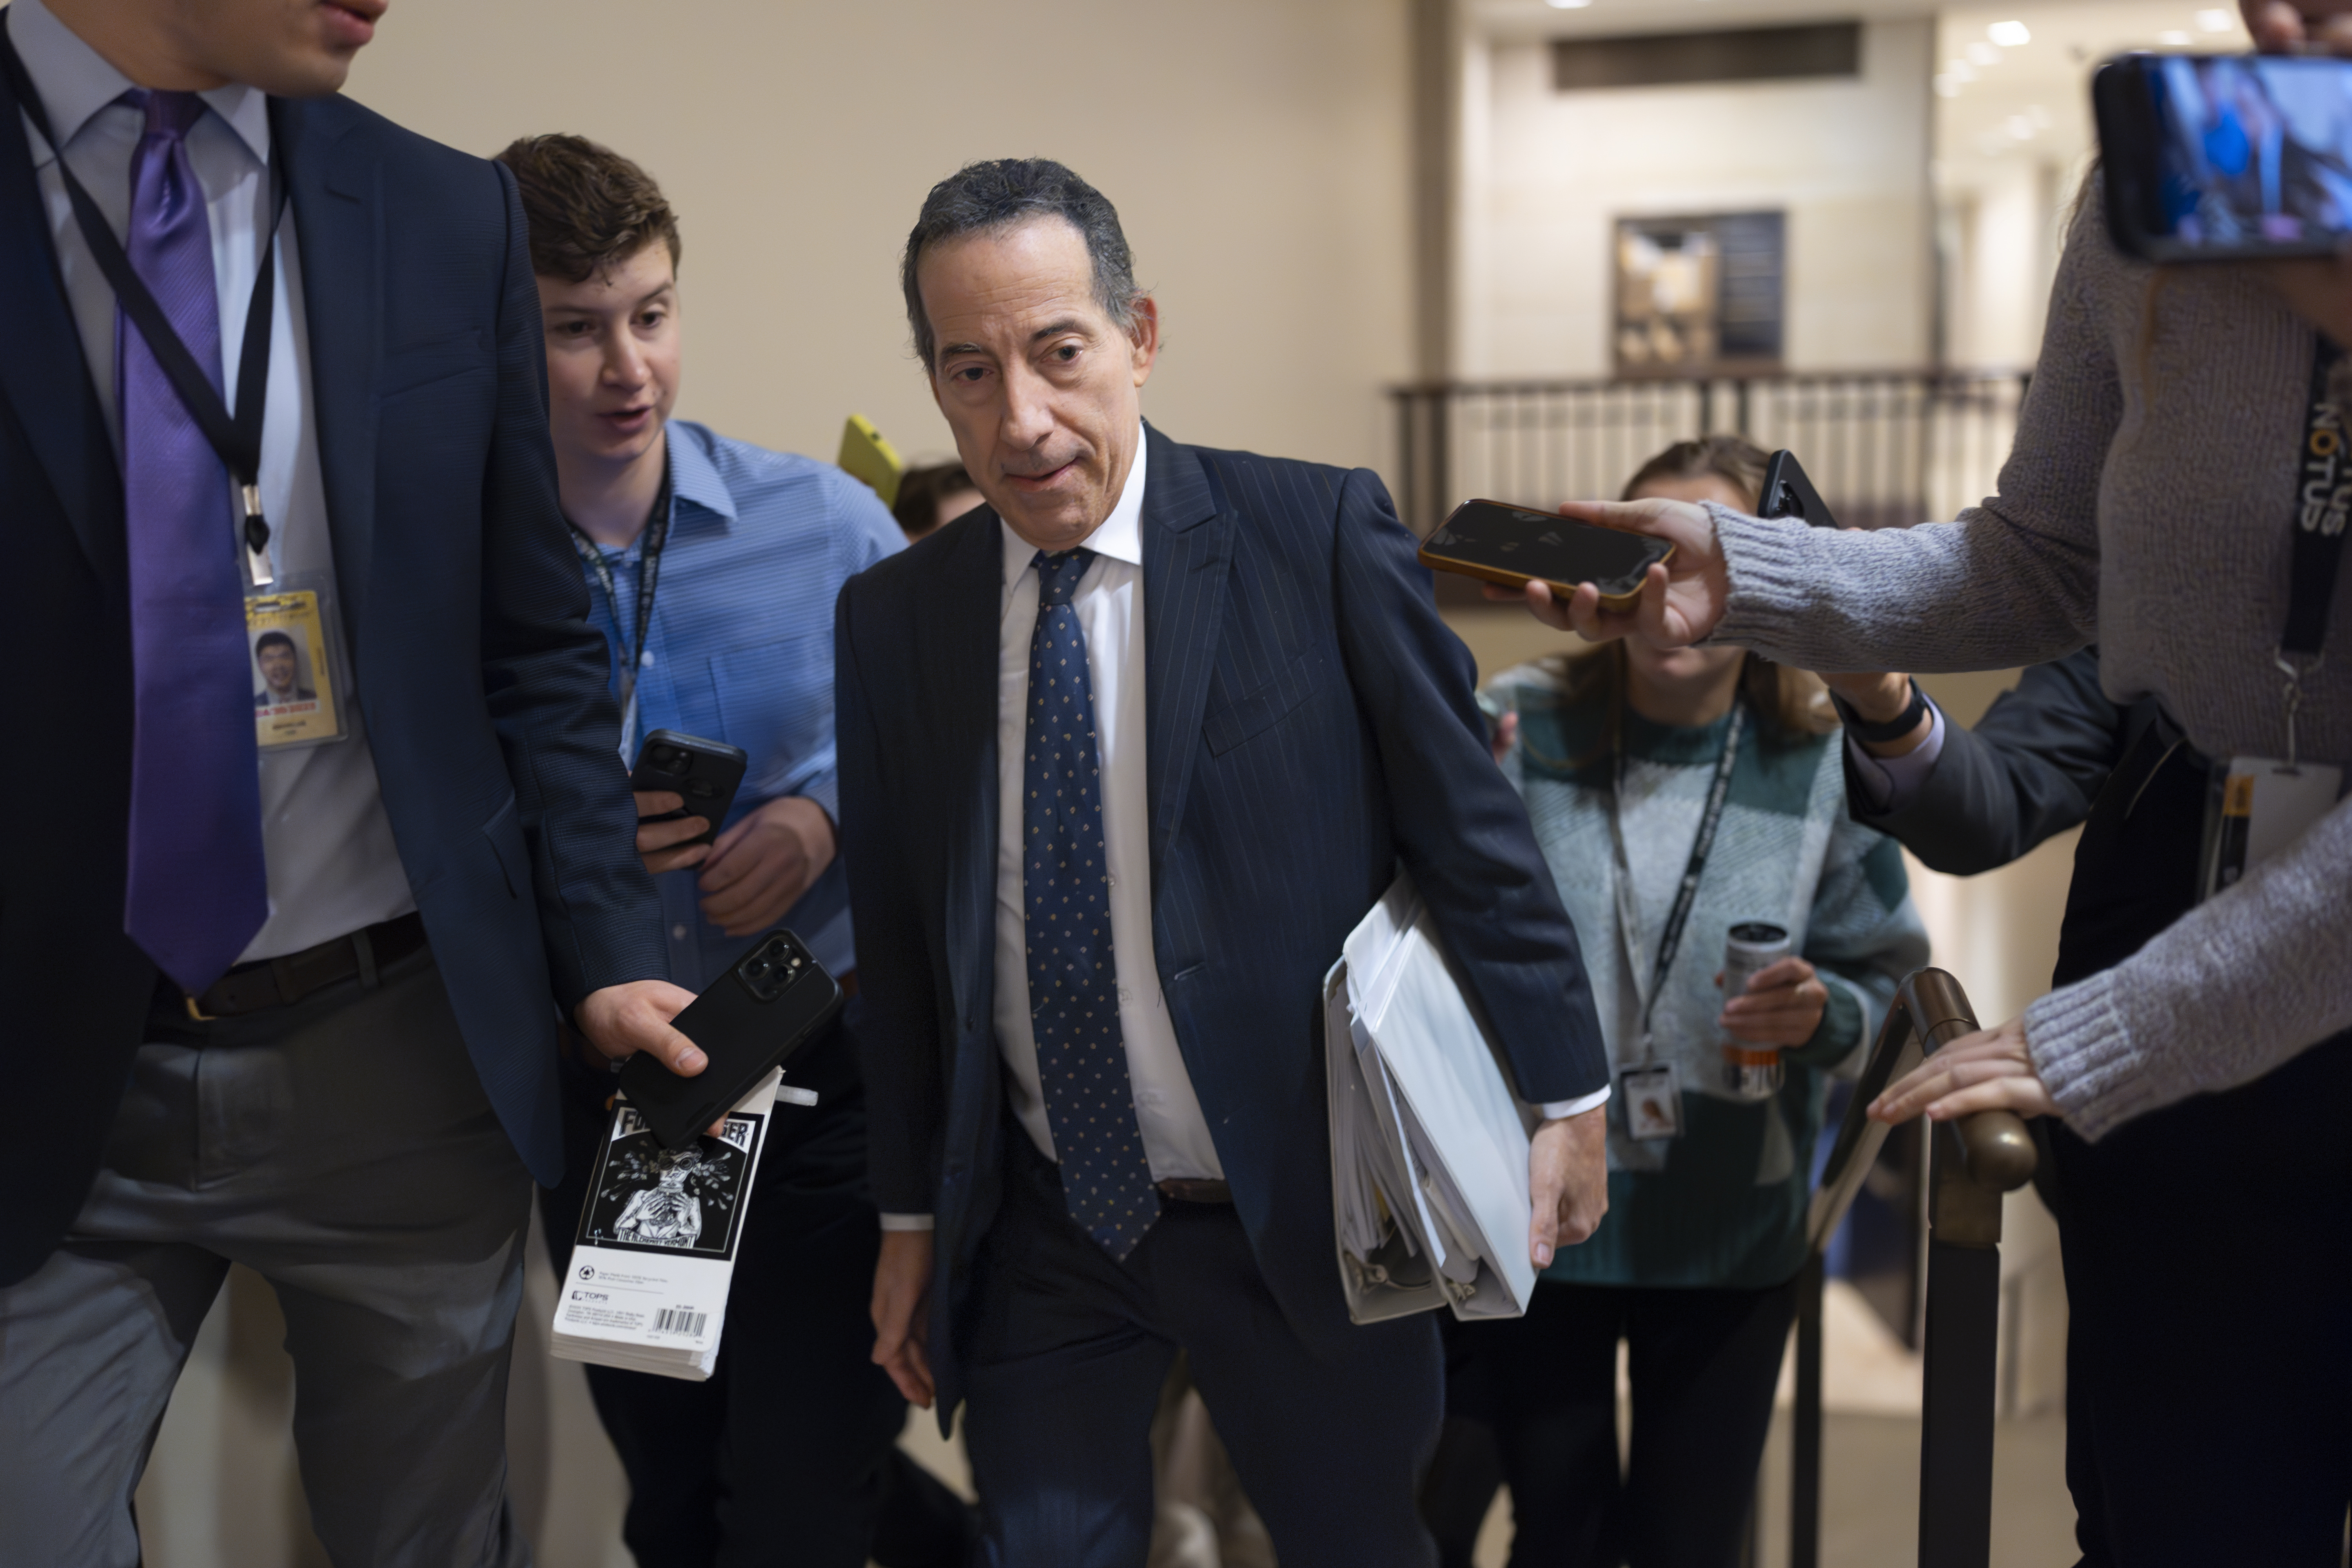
1097	878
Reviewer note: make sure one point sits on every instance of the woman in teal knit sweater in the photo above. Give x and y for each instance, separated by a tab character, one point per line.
1694	1266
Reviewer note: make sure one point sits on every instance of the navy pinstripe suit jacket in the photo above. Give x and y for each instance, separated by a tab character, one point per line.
1309	725
483	682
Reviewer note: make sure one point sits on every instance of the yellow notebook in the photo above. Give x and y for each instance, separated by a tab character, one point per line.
866	455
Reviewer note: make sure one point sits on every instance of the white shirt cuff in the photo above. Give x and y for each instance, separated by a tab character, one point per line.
1553	1110
1890	783
906	1222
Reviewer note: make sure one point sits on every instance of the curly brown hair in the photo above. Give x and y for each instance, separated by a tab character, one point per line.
590	209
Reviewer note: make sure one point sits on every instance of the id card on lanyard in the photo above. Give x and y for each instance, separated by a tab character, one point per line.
2256	807
629	654
290	626
1649	1091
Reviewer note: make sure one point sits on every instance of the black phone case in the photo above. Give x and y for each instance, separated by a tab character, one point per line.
742	1033
714	771
1789	493
2127	127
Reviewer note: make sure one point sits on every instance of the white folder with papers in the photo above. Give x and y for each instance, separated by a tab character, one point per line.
1429	1149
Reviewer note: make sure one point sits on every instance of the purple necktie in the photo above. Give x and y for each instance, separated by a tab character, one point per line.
197	890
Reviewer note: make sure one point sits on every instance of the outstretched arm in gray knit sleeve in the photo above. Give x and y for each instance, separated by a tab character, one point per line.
2012	581
2232	989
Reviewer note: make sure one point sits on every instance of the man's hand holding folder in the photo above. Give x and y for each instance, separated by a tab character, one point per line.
1447	1189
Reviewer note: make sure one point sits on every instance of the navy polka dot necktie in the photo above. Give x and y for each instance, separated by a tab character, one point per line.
1066	890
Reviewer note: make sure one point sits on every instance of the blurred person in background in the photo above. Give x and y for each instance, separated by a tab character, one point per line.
712	565
931	497
1638	766
2198	1050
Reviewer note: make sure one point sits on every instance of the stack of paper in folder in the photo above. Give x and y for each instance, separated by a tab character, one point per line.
1429	1149
654	1253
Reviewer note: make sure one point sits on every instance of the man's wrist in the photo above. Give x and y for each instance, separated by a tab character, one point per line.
1561	1110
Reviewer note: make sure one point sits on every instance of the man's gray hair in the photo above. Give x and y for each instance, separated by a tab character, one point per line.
1000	193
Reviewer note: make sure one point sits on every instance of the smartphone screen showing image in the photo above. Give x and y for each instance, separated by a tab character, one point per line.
2222	156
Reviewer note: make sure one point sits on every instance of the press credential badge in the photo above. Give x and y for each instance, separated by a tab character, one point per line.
295	684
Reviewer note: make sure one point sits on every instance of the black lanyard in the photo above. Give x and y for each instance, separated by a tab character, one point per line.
656	534
2323	492
235	439
1670	939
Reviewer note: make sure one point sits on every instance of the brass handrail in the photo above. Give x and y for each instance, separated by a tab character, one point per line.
1996	1151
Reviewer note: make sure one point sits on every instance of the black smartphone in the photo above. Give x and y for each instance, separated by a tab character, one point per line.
772	1002
2226	157
705	773
1787	493
1496	541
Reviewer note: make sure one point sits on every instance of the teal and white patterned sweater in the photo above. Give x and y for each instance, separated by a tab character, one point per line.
1726	1207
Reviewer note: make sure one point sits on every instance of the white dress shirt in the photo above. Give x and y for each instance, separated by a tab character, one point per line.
332	865
1109	603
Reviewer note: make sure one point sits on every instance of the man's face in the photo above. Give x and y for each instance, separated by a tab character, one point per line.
295	49
1037	382
277	661
612	359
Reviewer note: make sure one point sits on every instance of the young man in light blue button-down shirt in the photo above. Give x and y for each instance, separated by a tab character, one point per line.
787	1452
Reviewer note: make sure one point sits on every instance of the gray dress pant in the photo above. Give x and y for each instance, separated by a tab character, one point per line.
343	1149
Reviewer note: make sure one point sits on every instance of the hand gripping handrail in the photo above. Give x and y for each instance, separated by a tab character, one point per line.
1971	1163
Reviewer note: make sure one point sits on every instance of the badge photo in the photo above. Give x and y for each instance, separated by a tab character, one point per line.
1652	1098
293	680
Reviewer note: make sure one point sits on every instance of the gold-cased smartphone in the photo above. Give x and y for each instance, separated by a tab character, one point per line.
867	455
1496	541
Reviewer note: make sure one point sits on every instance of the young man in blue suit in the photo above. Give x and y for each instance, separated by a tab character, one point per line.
1125	756
285	997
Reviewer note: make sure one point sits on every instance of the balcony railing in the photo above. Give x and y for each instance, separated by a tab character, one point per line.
1880	447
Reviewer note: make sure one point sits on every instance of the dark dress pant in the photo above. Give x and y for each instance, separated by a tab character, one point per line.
1066	1350
343	1149
787	1457
2208	1250
1543	1389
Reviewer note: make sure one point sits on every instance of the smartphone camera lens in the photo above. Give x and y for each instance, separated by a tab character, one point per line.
668	759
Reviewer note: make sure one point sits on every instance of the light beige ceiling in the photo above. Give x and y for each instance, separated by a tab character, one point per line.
2031	100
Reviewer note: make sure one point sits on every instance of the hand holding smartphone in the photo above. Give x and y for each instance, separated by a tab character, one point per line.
1496	541
704	775
771	1003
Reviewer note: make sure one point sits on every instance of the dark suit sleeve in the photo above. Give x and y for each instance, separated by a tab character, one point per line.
1459	828
545	675
899	1030
2030	769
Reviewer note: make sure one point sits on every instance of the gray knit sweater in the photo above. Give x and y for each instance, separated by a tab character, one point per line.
2144	506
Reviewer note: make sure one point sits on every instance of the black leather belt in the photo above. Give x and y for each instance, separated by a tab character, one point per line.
1196	1190
287	979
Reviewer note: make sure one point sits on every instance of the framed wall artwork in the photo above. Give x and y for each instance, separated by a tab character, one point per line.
1699	296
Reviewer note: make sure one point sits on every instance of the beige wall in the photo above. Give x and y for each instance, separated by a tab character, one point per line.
1546	175
1258	152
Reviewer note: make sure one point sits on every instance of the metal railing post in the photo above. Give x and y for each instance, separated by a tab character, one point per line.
1972	1163
1805	1424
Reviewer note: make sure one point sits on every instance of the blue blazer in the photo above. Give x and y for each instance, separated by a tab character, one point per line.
482	681
1310	724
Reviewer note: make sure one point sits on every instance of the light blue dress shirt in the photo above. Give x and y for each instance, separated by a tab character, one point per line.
740	650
